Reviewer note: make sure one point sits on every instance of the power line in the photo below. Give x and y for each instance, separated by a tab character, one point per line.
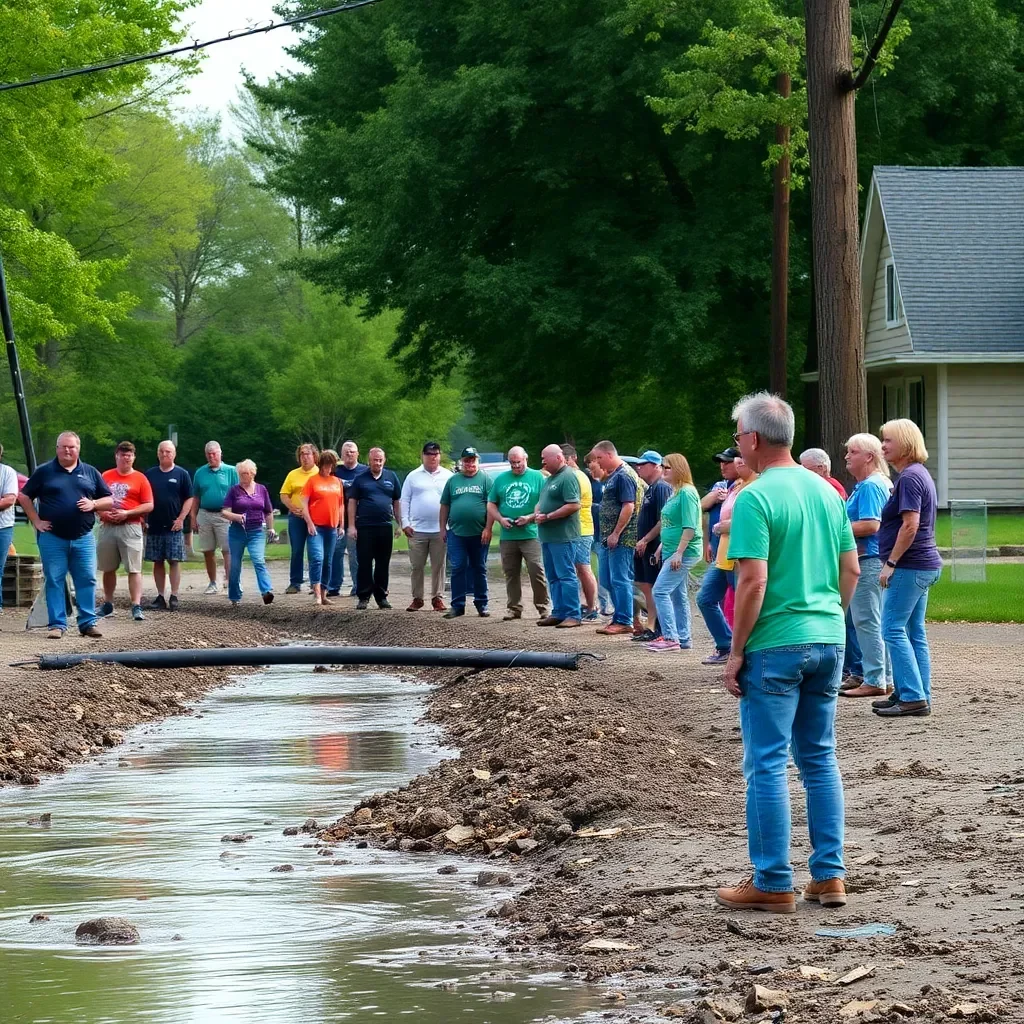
192	47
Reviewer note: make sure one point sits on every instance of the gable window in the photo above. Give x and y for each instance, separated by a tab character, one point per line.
903	398
893	299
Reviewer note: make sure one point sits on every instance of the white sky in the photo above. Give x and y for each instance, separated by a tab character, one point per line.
261	55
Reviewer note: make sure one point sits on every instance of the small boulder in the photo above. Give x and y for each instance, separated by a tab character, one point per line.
237	837
108	931
406	845
283	867
363	816
428	822
485	879
447	869
38	918
524	845
761	999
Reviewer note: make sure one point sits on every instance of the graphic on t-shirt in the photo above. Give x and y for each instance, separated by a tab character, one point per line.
517	496
120	492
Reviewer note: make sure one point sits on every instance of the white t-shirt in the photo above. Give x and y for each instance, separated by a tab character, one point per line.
421	499
8	485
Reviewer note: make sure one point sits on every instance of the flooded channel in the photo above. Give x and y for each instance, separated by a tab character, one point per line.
138	834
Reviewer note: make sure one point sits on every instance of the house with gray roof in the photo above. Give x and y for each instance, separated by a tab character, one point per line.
942	277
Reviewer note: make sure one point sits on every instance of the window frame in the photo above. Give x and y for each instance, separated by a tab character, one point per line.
900	387
893	296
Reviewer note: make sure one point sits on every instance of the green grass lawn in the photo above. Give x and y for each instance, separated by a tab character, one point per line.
1003	528
999	599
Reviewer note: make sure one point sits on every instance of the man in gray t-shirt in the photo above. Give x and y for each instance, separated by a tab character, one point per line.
8	499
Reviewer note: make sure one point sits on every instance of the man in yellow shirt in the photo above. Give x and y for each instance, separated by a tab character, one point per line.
306	456
585	544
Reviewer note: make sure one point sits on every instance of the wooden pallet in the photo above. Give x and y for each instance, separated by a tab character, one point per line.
23	580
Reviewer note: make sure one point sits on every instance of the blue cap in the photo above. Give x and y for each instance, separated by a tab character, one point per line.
650	456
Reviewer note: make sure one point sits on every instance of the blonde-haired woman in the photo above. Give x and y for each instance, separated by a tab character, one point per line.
680	550
247	507
867	466
906	544
306	455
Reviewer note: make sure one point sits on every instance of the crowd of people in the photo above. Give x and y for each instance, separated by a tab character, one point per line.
808	592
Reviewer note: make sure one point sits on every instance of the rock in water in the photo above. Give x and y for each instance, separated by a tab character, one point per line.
108	931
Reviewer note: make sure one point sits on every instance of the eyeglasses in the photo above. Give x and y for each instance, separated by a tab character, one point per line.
736	437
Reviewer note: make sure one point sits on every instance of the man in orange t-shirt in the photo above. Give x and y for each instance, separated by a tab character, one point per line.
120	539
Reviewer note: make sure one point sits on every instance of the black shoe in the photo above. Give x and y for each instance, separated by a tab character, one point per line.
106	610
906	709
385	604
268	597
334	593
453	613
885	702
483	613
172	605
362	605
645	637
158	603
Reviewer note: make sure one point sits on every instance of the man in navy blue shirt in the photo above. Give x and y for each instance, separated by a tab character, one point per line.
346	471
165	537
69	493
374	516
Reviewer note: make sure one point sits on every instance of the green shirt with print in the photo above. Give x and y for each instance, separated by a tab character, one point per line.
466	498
797	523
561	488
517	496
211	486
681	512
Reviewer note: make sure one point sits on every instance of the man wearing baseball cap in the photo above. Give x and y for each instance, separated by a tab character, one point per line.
715	581
463	522
648	529
421	510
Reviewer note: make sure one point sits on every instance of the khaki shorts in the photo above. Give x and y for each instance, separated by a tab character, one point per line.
213	530
119	544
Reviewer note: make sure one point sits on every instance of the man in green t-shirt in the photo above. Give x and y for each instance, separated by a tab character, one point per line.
210	486
511	503
558	521
797	568
464	525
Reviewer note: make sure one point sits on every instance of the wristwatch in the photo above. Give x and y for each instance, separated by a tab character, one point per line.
891	564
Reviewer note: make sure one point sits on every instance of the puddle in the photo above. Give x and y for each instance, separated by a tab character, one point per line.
137	834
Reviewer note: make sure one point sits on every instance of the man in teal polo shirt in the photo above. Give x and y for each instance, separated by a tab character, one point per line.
210	487
558	519
511	503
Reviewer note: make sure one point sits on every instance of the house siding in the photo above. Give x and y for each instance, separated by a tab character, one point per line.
881	342
986	422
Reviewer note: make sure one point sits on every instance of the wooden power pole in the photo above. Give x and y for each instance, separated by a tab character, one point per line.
834	224
780	252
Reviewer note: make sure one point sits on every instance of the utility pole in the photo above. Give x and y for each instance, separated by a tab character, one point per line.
780	252
834	224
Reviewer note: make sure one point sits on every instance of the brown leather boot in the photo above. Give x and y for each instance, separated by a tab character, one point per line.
829	893
746	896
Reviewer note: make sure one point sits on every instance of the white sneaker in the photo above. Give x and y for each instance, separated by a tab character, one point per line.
212	588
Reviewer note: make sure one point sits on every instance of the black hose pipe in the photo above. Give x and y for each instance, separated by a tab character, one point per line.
431	656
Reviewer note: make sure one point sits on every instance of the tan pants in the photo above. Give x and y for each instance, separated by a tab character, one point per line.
513	552
420	545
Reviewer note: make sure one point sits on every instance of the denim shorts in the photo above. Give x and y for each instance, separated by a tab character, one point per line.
581	549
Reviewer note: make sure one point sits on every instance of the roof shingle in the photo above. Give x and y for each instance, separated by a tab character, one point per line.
957	237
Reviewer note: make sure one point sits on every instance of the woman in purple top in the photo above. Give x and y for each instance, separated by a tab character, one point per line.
247	507
906	545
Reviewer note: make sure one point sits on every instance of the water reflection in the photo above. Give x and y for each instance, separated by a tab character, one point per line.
138	834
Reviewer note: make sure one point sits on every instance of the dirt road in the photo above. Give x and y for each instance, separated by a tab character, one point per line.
644	751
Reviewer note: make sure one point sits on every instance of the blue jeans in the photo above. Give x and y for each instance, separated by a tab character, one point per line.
709	600
853	661
322	546
60	557
672	600
298	534
468	556
903	609
616	568
789	700
866	615
560	569
240	539
6	534
604	597
337	563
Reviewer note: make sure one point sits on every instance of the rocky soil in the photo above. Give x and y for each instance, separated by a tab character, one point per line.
612	798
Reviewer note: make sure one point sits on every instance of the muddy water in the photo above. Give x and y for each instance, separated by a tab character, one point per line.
138	834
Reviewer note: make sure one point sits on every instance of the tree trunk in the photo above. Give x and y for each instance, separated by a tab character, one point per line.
834	228
780	254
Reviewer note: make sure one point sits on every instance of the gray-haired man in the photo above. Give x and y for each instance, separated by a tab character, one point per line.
818	461
210	487
797	569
